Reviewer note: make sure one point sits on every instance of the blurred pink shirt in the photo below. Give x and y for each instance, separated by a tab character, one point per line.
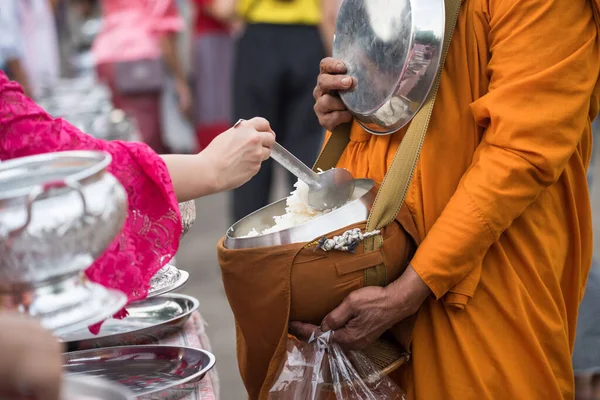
131	29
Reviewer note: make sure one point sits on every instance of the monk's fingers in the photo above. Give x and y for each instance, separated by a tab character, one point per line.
333	83
332	120
328	103
351	338
302	330
330	65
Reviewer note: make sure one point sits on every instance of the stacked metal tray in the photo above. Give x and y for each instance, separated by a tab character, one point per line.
148	322
126	352
149	372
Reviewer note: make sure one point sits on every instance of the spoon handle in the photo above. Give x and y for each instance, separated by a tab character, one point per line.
295	166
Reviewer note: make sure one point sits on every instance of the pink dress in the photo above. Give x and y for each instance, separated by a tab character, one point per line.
131	29
152	230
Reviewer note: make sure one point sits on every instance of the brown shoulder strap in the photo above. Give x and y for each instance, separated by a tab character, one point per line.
335	146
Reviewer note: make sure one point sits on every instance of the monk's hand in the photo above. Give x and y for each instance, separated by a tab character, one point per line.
368	312
361	318
329	108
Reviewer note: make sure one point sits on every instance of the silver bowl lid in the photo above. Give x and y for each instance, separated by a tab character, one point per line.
392	49
22	176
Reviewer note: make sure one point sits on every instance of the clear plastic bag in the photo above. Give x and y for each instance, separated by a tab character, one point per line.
320	370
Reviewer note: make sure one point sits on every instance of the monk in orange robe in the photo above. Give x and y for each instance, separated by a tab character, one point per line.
500	201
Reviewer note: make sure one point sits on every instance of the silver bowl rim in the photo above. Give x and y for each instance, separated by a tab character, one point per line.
184	276
102	158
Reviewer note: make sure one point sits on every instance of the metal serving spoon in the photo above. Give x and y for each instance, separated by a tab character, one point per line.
326	190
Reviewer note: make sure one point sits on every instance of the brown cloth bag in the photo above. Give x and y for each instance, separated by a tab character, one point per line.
268	287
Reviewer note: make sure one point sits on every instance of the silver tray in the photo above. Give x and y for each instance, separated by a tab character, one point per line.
167	279
150	372
82	387
148	322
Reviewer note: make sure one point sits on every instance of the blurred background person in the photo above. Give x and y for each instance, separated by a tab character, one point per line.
11	44
41	57
586	355
29	43
178	129
136	39
275	69
212	63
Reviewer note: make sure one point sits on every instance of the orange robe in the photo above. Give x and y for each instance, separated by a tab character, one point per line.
500	197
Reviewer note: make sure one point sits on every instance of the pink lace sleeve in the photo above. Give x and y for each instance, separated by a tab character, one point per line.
152	230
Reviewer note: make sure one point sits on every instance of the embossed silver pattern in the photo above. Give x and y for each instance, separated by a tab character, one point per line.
392	48
188	215
58	213
55	233
167	279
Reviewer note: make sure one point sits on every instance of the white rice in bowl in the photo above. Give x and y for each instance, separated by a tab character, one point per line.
297	212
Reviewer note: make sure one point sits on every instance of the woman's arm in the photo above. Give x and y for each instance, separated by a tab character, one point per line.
166	25
170	54
168	44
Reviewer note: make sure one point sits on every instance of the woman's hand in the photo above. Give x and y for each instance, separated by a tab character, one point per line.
368	312
237	154
31	362
230	160
329	108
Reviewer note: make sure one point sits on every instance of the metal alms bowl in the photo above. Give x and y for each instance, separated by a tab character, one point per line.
392	48
58	213
356	210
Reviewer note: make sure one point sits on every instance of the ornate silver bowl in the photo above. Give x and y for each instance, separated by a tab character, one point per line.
58	213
